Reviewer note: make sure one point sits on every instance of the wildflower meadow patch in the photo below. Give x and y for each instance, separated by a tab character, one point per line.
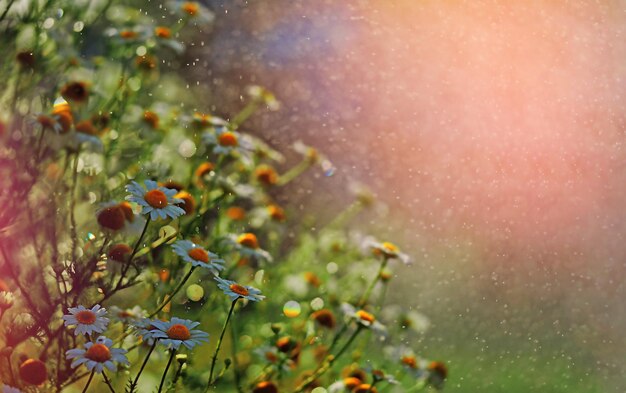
142	245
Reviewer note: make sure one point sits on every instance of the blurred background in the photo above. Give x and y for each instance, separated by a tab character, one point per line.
494	133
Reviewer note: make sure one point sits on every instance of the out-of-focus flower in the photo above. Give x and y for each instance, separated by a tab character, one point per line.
87	321
194	11
151	119
437	374
202	120
178	332
6	300
154	200
10	389
144	328
76	92
236	213
363	318
146	62
266	96
33	372
265	387
128	315
266	175
113	216
345	385
198	256
247	245
276	212
162	32
386	249
223	140
98	355
119	252
189	202
234	290
324	318
201	172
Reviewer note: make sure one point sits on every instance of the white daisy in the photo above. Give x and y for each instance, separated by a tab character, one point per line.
198	256
225	141
363	318
98	355
178	331
247	245
154	200
87	321
386	249
144	329
235	291
128	315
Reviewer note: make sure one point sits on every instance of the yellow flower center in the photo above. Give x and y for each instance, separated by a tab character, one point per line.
227	139
98	353
239	289
390	247
178	332
248	240
199	254
156	199
365	316
86	317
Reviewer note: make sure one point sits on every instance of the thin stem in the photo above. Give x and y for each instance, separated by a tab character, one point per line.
233	335
169	363
132	255
368	291
6	10
219	343
106	380
73	232
295	171
170	297
330	360
143	365
89	380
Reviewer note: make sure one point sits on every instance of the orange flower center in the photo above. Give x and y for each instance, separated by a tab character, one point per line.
162	32
98	353
199	254
351	382
86	317
409	361
227	139
248	240
156	199
190	8
239	289
365	316
178	332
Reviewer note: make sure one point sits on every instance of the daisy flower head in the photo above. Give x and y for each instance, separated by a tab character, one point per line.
198	256
363	318
155	200
203	120
223	140
235	291
98	355
386	250
128	315
87	321
177	332
247	244
144	328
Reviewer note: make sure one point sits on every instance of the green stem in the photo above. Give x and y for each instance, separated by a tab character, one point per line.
169	363
294	172
245	113
89	381
330	360
132	255
143	365
233	335
6	10
170	297
108	383
219	343
368	291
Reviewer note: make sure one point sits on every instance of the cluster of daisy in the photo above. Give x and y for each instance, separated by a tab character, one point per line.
167	219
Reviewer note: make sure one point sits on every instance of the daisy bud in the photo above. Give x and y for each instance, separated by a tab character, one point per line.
236	213
33	372
112	218
266	175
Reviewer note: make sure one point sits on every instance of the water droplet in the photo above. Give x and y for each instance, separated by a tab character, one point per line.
292	309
